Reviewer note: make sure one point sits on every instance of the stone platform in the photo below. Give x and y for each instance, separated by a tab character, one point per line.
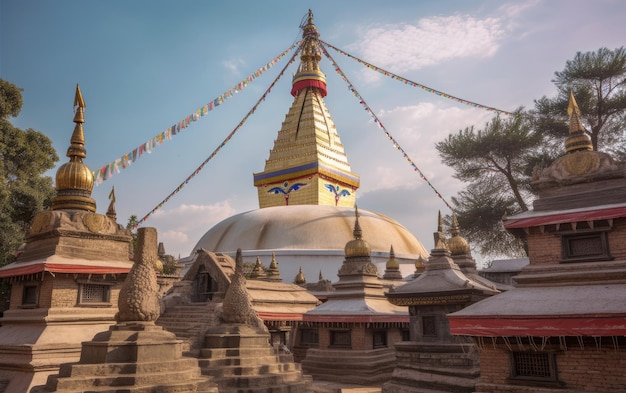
137	358
241	360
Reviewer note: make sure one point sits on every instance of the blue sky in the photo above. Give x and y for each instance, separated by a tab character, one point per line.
145	65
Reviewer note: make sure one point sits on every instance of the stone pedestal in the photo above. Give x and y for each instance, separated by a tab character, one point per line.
360	367
132	357
434	368
240	358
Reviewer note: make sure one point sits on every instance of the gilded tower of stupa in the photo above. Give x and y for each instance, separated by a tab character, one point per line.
308	164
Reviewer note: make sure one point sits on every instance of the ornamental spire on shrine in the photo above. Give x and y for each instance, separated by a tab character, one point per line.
74	180
578	139
308	164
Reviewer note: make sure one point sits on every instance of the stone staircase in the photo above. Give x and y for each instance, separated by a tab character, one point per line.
240	360
134	358
189	322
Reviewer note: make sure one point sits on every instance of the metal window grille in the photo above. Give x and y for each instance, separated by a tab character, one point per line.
93	293
534	365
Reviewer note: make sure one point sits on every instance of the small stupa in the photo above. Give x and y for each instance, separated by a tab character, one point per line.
134	354
434	360
357	326
238	354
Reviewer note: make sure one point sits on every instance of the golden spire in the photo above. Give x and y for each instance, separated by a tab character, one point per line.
439	235
309	73
457	244
273	274
300	279
258	271
74	180
357	247
392	263
308	164
578	139
111	210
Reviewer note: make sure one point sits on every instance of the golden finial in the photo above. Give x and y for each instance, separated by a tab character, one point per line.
258	271
309	74
74	180
439	222
300	279
439	235
111	210
392	263
320	278
578	139
457	244
357	247
357	232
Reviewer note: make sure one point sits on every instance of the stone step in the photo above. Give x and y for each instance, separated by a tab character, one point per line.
237	360
237	352
251	370
300	387
86	383
235	341
259	381
198	386
104	369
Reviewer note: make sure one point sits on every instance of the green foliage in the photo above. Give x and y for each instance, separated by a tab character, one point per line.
495	156
24	157
10	99
598	81
498	161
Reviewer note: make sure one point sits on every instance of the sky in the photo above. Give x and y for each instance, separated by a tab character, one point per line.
145	65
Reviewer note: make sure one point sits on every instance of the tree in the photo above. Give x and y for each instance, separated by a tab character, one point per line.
598	81
494	162
24	158
497	162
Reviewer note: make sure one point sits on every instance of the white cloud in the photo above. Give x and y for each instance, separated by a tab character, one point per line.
182	226
234	64
417	128
431	41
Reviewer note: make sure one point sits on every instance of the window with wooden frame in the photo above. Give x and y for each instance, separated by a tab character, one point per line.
94	293
309	337
379	338
585	247
340	339
533	366
30	295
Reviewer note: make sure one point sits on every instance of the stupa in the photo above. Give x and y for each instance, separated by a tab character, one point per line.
351	336
307	191
65	284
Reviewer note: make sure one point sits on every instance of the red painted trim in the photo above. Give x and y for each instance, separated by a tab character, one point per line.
355	318
561	325
602	214
60	268
299	85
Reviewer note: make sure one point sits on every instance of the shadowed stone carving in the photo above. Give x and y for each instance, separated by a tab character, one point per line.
139	299
237	307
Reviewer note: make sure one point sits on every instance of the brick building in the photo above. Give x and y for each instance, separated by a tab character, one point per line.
563	328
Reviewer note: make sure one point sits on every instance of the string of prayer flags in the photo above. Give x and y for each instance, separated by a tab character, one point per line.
380	124
414	84
224	142
105	172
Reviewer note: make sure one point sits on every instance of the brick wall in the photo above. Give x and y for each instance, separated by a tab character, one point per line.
589	370
545	248
65	293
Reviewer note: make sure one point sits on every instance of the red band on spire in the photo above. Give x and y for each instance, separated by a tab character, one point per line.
301	84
